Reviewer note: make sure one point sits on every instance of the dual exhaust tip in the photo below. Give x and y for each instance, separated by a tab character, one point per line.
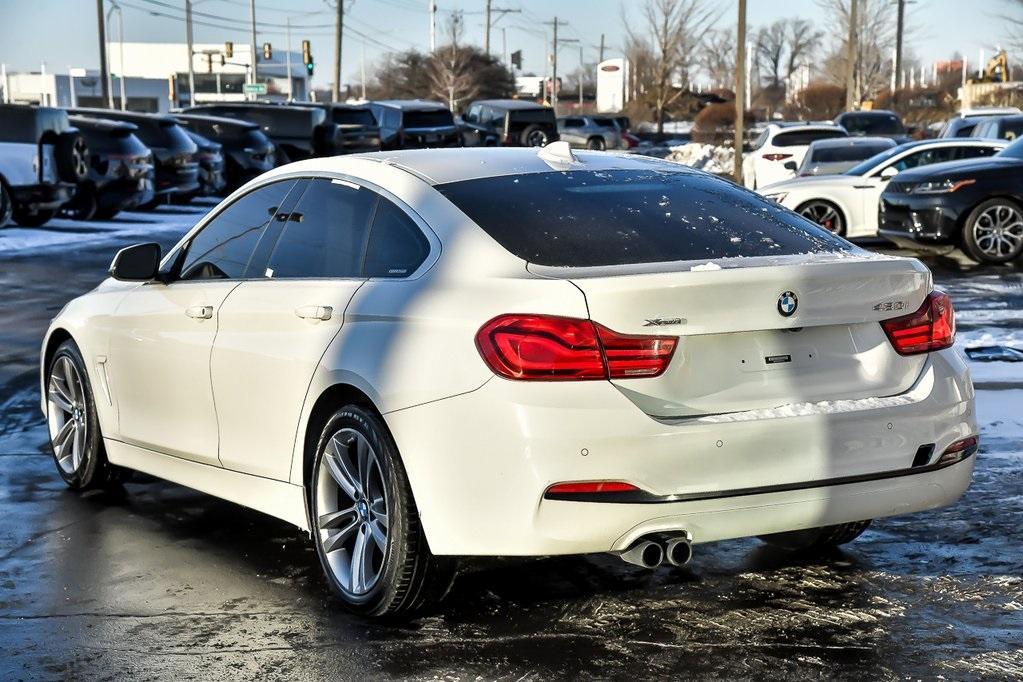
652	551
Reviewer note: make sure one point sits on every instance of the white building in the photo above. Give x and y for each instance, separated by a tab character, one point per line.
155	78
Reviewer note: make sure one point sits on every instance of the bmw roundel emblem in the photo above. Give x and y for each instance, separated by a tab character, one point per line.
787	303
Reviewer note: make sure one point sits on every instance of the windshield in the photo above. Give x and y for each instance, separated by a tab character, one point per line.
362	117
868	165
437	118
1013	151
618	217
873	124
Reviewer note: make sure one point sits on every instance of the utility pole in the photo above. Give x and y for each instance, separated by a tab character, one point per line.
486	33
899	26
601	48
852	52
581	71
490	11
554	70
252	47
433	26
287	57
191	53
335	91
104	73
363	69
740	89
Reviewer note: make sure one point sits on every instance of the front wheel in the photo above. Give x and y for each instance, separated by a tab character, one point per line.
993	232
596	143
825	214
366	525
817	539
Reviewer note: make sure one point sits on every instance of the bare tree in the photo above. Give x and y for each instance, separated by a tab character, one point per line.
717	57
780	49
873	53
450	71
673	29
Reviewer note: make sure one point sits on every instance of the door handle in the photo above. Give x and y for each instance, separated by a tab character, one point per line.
200	312
314	312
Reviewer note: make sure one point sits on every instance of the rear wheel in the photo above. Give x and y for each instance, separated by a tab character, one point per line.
83	206
993	232
73	425
72	157
817	539
27	218
534	136
6	205
366	525
596	144
825	214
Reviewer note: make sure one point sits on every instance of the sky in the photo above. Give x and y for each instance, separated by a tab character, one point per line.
62	33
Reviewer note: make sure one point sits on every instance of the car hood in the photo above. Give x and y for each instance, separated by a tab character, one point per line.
949	169
811	181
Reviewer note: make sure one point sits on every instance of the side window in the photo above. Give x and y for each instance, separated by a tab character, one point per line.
396	244
221	250
925	158
325	234
473	115
975	152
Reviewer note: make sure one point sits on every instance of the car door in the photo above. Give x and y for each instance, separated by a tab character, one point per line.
472	134
873	186
274	330
162	334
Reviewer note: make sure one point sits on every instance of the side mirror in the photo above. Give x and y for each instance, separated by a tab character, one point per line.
138	263
790	165
889	173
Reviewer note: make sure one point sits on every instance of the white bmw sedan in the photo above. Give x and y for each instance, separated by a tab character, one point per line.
847	203
421	355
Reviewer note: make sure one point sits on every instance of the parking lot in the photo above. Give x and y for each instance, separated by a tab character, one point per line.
143	582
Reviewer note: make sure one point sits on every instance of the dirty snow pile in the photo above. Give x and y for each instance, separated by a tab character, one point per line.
705	157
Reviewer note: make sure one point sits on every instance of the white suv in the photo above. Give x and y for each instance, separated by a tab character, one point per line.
779	150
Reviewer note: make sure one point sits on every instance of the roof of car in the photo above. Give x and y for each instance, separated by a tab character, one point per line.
852	142
118	115
218	120
953	141
510	103
441	166
867	112
788	126
410	103
104	124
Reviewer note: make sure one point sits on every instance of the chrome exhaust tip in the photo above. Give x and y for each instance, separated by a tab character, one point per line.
643	553
678	550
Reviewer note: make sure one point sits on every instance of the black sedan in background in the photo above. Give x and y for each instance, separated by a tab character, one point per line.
177	171
120	173
976	204
247	151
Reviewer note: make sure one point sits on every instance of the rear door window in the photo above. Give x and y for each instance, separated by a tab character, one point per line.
595	218
974	152
925	158
325	234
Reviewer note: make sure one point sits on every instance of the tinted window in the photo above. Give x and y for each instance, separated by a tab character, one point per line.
325	234
872	124
852	152
1010	130
589	218
573	123
605	122
925	158
396	245
799	138
428	119
527	116
363	117
223	248
974	152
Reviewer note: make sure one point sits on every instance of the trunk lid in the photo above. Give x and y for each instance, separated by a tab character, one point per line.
738	350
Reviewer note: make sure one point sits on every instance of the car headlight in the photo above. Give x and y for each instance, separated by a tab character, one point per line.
777	196
941	186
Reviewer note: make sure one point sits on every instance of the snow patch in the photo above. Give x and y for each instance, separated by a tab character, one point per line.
705	267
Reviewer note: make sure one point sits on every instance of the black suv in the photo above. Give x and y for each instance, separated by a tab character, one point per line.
508	122
415	124
42	160
174	153
357	125
120	174
298	132
247	151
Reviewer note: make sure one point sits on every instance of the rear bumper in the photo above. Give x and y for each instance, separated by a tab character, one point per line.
171	180
479	464
125	193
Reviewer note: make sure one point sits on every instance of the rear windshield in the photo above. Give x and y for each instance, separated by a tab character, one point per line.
873	124
801	138
527	116
852	152
428	119
605	122
1011	130
594	218
362	117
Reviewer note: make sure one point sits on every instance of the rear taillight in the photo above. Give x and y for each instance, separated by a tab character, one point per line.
932	327
777	157
591	487
551	348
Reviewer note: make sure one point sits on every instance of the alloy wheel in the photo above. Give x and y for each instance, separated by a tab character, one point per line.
67	414
81	158
998	231
352	505
824	214
537	138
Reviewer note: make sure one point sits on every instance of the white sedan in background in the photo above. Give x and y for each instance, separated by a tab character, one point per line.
420	355
847	204
780	148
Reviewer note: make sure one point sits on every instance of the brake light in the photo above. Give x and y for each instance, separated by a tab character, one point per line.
777	157
931	328
591	487
551	348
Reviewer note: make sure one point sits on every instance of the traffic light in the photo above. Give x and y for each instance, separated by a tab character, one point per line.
307	57
229	49
268	51
516	59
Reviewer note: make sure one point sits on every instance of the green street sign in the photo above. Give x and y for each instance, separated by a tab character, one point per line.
254	88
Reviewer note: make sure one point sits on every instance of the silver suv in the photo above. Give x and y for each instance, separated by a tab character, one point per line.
591	132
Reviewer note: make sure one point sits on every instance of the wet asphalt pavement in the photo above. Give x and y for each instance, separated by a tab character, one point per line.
158	581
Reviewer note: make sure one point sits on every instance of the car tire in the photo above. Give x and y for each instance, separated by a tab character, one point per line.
993	231
817	539
366	526
534	136
72	157
27	218
106	213
6	205
73	425
824	213
597	144
83	206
